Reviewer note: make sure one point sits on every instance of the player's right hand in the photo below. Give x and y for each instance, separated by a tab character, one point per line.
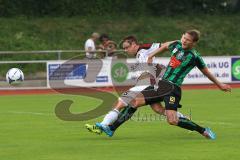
225	87
149	60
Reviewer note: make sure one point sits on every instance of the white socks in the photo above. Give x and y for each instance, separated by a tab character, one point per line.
110	117
180	115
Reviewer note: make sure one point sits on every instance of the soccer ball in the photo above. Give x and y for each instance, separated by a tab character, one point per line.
14	76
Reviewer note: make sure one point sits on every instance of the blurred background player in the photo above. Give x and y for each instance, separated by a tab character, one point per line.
90	46
108	45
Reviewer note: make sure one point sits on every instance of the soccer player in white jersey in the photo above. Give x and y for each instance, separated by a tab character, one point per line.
147	78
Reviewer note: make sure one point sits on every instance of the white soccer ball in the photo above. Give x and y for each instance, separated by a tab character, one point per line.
14	76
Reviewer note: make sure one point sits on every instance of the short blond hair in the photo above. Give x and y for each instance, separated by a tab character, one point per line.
95	35
195	34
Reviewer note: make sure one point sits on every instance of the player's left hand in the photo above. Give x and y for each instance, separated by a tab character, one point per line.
225	87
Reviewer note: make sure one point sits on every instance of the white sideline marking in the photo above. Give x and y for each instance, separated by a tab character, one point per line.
31	113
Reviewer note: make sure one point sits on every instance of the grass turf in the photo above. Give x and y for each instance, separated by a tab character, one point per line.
30	130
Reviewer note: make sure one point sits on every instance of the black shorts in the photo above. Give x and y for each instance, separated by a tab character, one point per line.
151	96
172	100
154	95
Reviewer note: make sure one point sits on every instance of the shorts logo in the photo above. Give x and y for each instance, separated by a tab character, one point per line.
172	100
125	93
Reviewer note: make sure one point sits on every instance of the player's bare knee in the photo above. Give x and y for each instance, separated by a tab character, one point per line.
172	121
134	103
118	106
158	108
172	118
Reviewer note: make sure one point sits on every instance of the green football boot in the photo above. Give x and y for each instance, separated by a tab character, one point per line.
93	129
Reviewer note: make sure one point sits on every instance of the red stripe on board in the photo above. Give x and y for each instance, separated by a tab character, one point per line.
27	92
106	89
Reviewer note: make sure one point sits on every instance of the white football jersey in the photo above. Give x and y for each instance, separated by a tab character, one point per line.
145	50
142	56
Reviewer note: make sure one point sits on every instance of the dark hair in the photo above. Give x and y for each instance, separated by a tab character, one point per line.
103	36
195	34
130	39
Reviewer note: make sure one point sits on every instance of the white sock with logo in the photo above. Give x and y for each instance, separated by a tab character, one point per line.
110	118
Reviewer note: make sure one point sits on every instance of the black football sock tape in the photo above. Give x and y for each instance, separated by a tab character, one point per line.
124	115
190	125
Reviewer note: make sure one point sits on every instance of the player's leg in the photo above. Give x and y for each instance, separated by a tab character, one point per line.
108	119
123	101
115	117
149	95
130	100
159	109
171	103
128	111
185	123
112	115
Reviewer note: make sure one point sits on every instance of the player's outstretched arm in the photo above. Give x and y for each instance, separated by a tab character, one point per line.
164	47
222	86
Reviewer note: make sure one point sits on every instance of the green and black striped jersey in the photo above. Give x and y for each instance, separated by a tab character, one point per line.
181	63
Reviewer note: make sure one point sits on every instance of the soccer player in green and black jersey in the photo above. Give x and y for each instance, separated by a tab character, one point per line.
183	59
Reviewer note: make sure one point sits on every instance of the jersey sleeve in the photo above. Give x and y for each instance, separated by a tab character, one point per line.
200	63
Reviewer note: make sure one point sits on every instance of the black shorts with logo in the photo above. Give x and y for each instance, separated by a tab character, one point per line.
172	100
167	92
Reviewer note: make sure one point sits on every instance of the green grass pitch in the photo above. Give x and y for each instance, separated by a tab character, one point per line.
31	131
